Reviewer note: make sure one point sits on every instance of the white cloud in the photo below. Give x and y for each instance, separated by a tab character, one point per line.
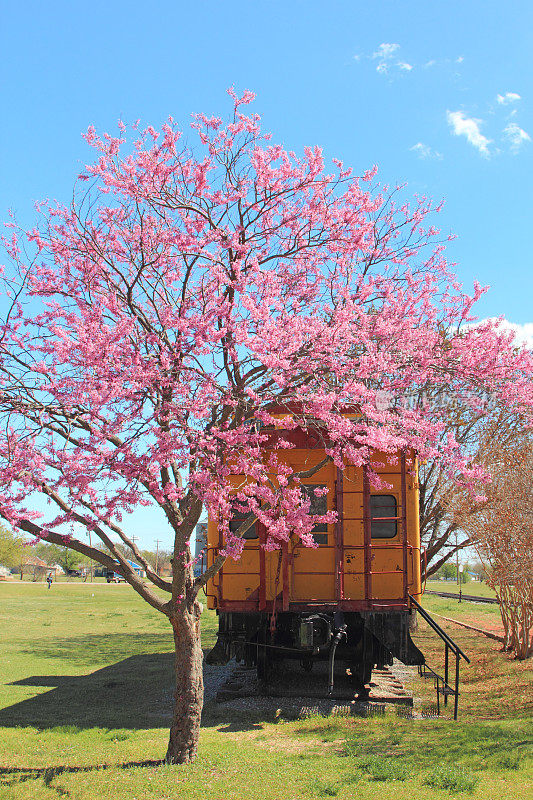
385	51
462	125
425	152
508	98
523	333
385	54
387	57
389	61
516	136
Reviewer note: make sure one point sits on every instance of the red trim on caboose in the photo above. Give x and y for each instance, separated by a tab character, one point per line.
367	533
339	538
404	523
261	531
393	604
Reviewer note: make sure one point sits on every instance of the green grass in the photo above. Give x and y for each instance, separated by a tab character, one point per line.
383	768
494	686
85	700
455	779
482	615
474	588
57	579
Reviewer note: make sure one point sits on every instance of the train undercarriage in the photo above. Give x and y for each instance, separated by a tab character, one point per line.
362	640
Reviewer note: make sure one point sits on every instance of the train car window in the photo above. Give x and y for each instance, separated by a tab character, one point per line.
237	518
319	505
383	505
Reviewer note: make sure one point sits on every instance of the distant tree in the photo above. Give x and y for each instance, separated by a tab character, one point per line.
478	570
66	558
130	554
447	571
159	559
11	548
149	555
158	321
464	576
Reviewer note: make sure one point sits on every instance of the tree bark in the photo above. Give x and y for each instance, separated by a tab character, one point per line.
189	694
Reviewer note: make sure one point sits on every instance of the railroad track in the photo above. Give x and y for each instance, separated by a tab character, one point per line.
469	597
310	688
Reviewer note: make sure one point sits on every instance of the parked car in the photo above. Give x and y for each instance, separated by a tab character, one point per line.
73	573
115	577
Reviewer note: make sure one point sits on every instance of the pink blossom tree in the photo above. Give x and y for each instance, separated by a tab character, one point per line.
153	323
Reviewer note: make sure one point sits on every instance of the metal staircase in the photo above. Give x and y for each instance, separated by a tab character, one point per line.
442	684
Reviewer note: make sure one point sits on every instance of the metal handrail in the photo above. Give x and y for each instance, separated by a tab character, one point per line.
436	627
449	644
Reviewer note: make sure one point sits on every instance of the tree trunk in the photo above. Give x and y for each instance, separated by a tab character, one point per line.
189	694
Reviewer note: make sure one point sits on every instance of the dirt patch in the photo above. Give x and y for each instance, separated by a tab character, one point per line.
492	627
295	746
288	744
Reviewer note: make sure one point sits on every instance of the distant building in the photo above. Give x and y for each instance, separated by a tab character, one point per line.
36	568
200	544
141	572
110	574
5	574
201	538
100	572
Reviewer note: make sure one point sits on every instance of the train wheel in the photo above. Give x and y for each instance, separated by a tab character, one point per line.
360	677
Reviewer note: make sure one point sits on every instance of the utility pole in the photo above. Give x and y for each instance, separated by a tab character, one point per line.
92	562
157	543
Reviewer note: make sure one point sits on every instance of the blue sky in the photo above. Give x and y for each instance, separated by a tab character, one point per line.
437	94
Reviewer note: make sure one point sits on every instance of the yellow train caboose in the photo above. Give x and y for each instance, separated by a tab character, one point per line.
350	597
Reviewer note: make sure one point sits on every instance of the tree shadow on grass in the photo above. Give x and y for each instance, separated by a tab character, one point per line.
231	720
134	693
11	776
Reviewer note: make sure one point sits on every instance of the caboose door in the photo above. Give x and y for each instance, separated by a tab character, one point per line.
373	534
312	569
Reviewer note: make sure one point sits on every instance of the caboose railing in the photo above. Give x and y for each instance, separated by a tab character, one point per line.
442	683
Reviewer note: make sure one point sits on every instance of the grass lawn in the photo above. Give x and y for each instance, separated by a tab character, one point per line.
474	588
481	615
85	685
